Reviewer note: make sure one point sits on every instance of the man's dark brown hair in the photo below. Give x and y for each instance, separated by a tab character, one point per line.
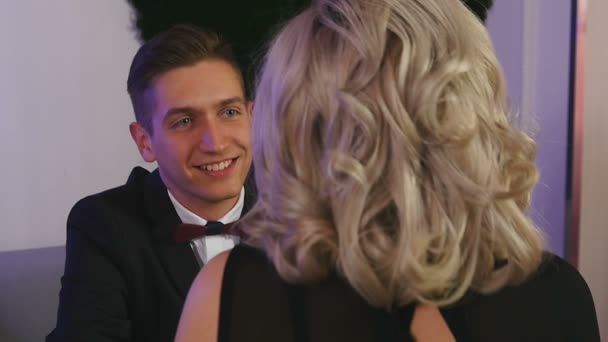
179	46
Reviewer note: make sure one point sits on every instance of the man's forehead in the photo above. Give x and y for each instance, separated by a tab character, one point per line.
214	79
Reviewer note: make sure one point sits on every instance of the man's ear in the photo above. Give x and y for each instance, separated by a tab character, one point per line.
142	140
250	107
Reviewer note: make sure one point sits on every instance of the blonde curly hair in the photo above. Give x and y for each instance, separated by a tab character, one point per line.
383	151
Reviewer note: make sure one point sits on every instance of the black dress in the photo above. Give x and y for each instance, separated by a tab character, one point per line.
554	305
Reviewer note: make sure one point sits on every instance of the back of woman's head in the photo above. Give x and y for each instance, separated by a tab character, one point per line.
383	152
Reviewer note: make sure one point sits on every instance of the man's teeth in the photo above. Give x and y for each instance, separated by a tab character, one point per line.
217	166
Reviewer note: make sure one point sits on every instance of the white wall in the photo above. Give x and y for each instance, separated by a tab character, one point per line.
593	259
531	38
64	111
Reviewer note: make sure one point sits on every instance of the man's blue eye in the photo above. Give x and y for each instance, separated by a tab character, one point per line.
231	112
183	122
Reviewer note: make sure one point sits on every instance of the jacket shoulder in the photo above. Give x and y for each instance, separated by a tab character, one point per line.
130	192
122	201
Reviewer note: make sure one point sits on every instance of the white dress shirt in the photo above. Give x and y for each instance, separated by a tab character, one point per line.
207	247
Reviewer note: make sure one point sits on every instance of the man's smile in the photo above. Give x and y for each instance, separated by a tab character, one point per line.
220	168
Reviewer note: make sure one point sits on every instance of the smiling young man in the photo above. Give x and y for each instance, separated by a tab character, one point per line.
126	277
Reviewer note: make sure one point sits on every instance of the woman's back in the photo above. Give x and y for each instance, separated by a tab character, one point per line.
257	305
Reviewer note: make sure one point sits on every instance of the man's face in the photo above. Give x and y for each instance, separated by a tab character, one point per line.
200	135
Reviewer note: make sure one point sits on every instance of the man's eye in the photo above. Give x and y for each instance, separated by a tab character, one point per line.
231	113
183	122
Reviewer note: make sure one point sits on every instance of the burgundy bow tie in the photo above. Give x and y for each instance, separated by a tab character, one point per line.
187	232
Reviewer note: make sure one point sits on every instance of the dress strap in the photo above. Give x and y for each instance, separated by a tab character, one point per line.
395	326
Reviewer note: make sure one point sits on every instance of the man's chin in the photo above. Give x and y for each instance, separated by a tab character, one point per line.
220	197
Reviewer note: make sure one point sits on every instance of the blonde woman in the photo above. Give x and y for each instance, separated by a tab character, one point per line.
393	193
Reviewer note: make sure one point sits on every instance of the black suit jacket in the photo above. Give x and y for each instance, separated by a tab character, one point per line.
125	279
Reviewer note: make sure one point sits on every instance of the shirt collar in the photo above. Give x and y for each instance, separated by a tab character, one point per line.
189	217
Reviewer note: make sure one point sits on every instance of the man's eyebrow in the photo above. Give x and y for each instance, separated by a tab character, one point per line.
179	110
232	100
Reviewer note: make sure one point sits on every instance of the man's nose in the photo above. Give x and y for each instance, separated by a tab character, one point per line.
213	138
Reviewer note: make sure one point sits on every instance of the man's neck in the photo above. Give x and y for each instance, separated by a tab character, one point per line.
228	210
214	212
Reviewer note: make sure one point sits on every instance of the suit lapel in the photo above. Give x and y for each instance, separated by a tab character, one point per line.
176	258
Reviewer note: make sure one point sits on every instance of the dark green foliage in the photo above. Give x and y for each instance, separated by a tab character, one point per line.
246	24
